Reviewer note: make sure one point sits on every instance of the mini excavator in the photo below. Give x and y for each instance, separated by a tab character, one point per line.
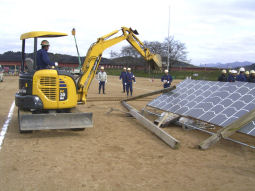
47	98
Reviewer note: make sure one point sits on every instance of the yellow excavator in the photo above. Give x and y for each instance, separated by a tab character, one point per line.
47	98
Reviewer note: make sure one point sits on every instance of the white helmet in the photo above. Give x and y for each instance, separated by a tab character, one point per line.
223	71
102	68
129	69
247	72
166	71
242	70
124	68
234	72
252	72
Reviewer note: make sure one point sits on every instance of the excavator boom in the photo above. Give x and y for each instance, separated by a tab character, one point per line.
95	52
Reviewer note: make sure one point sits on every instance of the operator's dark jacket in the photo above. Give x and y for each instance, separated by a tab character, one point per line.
43	60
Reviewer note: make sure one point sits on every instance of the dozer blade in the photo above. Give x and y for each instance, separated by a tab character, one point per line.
29	121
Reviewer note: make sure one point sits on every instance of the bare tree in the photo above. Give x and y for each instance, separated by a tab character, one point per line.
129	51
114	54
177	50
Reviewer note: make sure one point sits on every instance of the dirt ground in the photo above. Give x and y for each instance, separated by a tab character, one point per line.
118	153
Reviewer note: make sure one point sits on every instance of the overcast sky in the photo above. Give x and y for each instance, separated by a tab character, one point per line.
213	31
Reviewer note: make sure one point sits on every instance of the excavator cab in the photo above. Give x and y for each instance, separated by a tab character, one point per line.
47	98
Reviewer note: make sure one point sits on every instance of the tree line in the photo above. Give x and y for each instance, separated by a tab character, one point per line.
174	49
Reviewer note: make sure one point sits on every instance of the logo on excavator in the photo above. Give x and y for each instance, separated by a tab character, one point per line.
62	94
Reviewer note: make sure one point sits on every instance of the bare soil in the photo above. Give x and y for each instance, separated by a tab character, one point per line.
118	153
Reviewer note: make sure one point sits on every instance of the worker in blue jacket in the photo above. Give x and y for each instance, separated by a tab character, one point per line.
42	57
252	76
129	81
247	75
166	79
241	77
123	77
232	76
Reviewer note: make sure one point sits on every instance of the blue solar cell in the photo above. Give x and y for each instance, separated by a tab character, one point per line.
219	103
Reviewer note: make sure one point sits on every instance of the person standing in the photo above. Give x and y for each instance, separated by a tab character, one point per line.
252	76
232	76
102	78
123	77
241	77
129	81
247	75
223	76
166	79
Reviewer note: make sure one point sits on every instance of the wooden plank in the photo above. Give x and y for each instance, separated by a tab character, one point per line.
165	90
168	139
228	131
166	119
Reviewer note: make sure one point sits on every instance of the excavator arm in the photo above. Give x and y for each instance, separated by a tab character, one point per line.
95	51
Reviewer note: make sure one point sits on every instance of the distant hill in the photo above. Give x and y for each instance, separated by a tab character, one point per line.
126	61
229	65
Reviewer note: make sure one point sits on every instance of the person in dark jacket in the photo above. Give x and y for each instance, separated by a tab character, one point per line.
241	77
232	76
223	77
42	57
123	77
129	81
166	79
252	76
247	75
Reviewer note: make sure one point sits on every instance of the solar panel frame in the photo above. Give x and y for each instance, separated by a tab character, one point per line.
218	103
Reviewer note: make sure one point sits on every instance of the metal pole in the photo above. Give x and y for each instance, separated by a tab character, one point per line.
168	48
79	58
35	51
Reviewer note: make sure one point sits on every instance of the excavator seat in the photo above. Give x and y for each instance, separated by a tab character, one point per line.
29	63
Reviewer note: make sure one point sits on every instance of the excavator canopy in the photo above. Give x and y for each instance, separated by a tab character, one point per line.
41	34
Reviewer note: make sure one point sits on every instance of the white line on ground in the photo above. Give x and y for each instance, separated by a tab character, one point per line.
6	124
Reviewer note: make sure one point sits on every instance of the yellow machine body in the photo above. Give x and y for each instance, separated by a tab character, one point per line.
56	91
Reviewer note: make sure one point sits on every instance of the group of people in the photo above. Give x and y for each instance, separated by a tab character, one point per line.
126	76
233	75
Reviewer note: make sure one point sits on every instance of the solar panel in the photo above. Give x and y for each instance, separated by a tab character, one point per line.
218	103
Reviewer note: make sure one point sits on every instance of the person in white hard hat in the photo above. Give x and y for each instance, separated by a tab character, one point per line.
42	57
129	81
247	75
232	76
123	77
166	79
223	76
102	78
241	77
252	76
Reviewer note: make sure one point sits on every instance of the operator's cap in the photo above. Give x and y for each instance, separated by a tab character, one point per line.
223	71
129	69
252	72
45	43
166	71
124	68
102	68
242	70
247	72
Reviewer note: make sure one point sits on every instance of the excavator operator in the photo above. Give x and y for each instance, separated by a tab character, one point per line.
42	57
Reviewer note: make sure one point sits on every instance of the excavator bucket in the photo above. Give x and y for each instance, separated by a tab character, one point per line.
30	122
156	62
